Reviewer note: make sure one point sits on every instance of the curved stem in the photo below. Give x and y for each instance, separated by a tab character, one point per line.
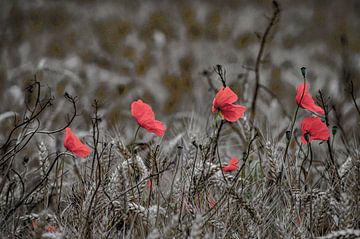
272	22
136	133
22	200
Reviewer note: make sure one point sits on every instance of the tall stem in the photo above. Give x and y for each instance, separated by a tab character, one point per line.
136	133
272	22
303	72
217	139
328	141
134	140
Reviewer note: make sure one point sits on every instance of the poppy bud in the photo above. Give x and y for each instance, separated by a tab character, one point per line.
334	129
26	159
275	4
179	149
206	73
244	155
303	71
306	136
288	134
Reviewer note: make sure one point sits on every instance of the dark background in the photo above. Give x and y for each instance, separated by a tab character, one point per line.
118	51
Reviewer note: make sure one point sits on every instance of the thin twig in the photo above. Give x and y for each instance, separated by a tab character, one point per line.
325	107
353	96
21	201
273	21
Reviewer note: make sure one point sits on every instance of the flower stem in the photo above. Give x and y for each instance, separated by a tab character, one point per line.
273	21
328	141
136	133
134	140
217	139
303	71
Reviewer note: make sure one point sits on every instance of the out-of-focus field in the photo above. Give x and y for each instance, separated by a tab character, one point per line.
117	51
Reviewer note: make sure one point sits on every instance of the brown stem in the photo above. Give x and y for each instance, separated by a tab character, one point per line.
217	139
272	22
18	204
328	141
353	97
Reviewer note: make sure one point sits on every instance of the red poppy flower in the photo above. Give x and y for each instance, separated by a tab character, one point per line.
145	117
313	129
232	165
224	102
307	102
74	145
51	229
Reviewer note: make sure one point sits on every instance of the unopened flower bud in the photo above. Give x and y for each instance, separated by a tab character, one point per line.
334	130
307	136
288	134
303	71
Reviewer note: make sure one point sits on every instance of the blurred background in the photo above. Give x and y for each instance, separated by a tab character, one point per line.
119	51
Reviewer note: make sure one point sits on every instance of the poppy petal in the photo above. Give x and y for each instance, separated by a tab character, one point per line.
229	168
232	165
156	127
232	112
51	229
145	117
307	102
315	128
74	145
222	97
234	161
142	112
